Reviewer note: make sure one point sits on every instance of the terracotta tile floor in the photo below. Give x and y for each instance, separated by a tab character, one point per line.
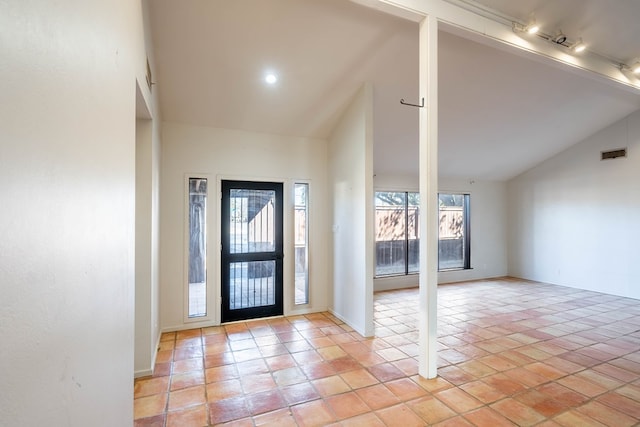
511	353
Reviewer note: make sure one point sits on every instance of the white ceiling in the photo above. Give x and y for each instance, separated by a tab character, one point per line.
500	113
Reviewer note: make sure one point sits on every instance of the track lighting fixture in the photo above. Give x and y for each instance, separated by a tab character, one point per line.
578	46
532	28
635	68
559	38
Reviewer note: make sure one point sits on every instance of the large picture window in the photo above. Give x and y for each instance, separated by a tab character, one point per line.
397	235
454	249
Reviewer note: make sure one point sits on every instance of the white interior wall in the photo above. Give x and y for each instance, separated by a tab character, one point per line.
147	333
147	270
488	212
144	342
232	154
351	184
68	71
156	155
488	228
573	218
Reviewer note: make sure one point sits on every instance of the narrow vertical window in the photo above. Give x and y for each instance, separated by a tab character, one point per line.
454	249
391	233
197	247
301	196
413	233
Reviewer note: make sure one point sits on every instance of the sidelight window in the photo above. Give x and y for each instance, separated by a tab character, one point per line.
197	270
301	196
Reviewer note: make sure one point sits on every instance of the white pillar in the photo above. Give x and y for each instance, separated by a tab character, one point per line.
428	143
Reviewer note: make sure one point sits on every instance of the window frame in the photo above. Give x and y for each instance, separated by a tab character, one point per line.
406	239
466	227
306	246
207	261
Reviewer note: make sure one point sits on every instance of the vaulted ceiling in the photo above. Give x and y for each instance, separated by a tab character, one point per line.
500	111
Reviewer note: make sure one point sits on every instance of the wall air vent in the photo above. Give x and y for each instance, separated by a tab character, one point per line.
613	154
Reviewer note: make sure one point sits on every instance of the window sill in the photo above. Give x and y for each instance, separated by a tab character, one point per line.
384	276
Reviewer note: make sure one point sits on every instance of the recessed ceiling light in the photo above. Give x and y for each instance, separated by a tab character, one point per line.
635	68
271	78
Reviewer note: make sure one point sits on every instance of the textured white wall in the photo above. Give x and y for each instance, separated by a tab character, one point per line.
351	182
573	220
232	154
67	162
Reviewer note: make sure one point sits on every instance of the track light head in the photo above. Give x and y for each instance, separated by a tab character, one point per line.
532	27
633	69
559	38
578	46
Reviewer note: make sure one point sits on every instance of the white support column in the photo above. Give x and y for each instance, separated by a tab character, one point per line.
428	143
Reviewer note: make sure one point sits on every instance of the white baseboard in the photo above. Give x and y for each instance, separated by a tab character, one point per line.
185	326
143	373
395	282
358	330
149	371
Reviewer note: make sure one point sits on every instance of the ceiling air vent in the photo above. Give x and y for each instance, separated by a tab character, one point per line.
613	154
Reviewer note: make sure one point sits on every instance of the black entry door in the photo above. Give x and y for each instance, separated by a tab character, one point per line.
251	250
